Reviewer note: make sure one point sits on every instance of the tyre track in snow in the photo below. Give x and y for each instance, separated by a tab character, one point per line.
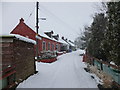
75	78
79	70
67	72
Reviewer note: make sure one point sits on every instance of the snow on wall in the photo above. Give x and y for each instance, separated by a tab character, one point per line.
24	38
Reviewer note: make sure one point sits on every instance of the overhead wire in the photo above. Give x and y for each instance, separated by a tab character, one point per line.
30	14
52	16
30	17
58	19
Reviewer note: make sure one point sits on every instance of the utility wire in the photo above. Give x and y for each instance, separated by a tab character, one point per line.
30	14
33	27
58	19
51	15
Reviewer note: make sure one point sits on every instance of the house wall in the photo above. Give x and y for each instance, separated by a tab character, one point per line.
63	47
24	30
47	41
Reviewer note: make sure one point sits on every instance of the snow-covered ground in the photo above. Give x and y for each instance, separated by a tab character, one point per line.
67	72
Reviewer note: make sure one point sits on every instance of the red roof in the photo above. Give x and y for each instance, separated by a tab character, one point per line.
24	30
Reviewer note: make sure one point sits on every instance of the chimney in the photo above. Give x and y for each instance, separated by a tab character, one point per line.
58	35
49	34
52	32
62	37
21	20
66	39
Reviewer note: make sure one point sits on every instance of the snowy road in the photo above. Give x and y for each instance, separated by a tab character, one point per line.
67	72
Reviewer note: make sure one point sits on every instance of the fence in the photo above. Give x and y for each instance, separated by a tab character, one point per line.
111	70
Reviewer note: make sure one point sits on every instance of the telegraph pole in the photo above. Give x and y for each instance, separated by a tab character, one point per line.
37	27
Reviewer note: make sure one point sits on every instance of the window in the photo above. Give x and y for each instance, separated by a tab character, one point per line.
52	47
57	47
49	46
43	45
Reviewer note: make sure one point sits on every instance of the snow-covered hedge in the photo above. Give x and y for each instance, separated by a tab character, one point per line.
47	54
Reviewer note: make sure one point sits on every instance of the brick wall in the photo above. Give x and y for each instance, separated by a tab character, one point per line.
19	54
7	53
23	59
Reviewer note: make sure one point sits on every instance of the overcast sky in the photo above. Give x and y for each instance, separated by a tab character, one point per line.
64	18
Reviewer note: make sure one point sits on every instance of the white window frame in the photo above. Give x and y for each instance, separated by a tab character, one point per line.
53	46
43	46
49	44
56	47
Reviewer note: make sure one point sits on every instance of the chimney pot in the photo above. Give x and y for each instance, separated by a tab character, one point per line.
63	38
22	20
52	32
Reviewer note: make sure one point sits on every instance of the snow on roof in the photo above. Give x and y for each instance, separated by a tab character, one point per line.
42	34
71	43
45	36
62	41
24	38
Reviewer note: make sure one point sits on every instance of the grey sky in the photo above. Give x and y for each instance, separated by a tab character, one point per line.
64	18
